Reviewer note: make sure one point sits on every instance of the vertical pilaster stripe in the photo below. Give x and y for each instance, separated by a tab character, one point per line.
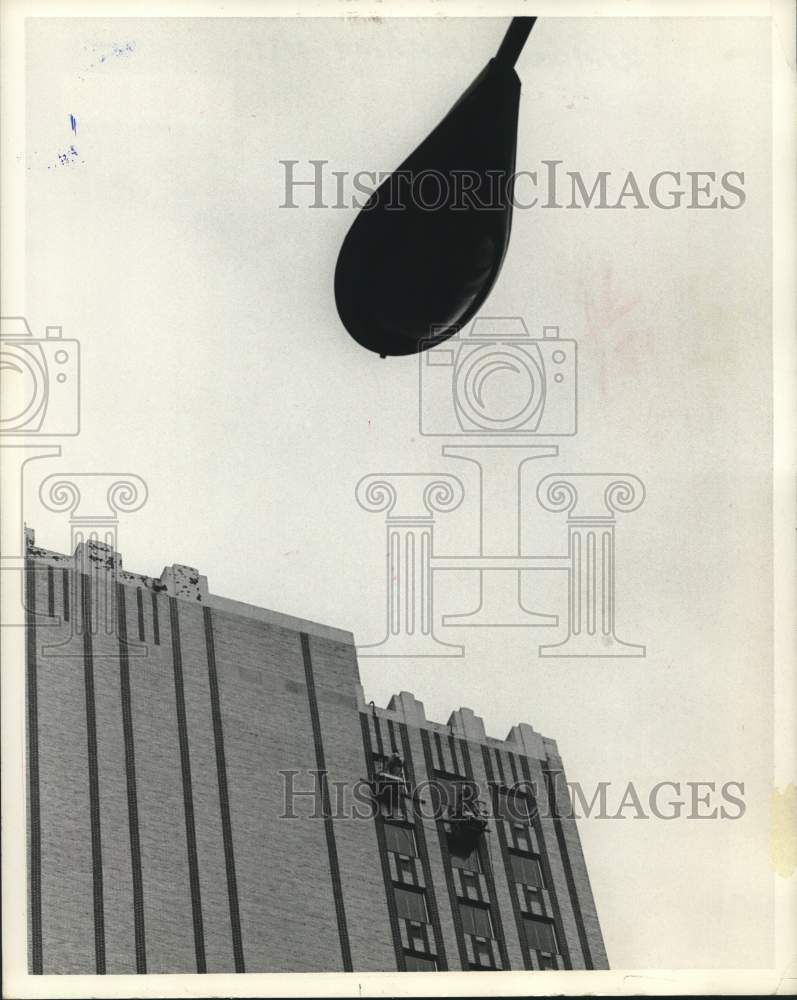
452	746
66	586
156	632
571	883
379	824
488	872
380	742
140	610
510	877
188	795
500	765
224	797
334	866
512	764
94	778
34	800
420	837
441	763
456	916
547	873
132	794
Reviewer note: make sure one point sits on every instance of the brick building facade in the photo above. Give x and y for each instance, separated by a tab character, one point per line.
208	791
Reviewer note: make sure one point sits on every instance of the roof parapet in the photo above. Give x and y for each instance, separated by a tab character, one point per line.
464	723
408	706
185	583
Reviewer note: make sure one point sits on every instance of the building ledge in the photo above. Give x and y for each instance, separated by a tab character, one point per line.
463	723
182	582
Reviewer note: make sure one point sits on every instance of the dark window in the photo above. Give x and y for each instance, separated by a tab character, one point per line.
453	794
526	870
464	856
415	963
406	868
515	808
400	839
476	920
444	794
483	950
470	885
521	838
532	898
417	937
410	905
540	934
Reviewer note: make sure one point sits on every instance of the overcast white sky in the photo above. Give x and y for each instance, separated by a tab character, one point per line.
215	367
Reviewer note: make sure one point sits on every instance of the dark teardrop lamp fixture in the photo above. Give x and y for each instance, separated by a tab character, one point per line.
425	250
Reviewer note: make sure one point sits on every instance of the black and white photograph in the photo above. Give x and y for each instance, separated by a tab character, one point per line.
398	499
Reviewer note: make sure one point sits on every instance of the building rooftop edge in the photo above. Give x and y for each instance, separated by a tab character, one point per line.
182	582
187	584
465	724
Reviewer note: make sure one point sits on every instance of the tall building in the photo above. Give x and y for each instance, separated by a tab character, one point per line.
209	791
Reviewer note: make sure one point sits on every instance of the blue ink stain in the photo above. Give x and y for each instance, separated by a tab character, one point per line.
71	156
73	123
116	50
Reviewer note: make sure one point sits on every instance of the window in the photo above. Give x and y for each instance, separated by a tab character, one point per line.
410	905
453	794
417	937
400	839
516	808
415	963
483	951
540	935
406	870
526	870
476	920
521	838
464	856
469	885
444	794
